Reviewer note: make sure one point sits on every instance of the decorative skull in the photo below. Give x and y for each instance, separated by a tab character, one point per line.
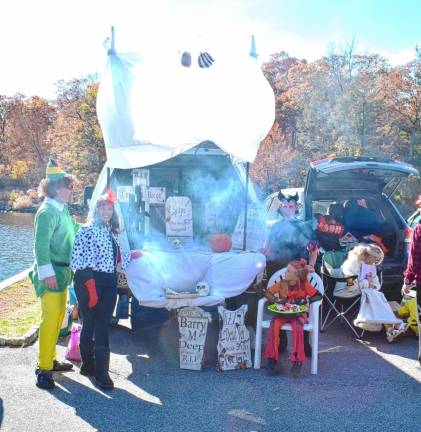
176	244
202	288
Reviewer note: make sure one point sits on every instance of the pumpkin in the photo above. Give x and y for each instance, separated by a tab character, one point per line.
220	243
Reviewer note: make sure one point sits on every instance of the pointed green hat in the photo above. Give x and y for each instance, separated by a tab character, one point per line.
53	171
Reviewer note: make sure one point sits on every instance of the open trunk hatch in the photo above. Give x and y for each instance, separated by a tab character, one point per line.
357	174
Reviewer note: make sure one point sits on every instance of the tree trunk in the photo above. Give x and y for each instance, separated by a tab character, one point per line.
412	144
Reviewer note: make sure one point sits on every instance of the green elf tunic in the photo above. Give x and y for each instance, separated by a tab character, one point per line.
55	232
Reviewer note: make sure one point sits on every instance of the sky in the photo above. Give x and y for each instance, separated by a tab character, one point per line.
45	41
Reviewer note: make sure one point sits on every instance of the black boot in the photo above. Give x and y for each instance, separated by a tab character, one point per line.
271	367
296	368
88	360
307	347
283	341
102	365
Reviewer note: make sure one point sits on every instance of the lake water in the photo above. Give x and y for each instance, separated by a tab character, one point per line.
16	243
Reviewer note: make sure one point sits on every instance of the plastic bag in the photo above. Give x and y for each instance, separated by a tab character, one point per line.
72	350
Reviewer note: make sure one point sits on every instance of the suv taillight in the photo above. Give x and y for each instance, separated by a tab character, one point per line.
408	232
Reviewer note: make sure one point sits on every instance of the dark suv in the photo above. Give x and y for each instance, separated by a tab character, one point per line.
333	184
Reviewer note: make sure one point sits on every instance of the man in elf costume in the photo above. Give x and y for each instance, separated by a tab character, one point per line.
54	232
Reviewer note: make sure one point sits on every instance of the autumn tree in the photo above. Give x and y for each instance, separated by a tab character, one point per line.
76	138
25	150
401	90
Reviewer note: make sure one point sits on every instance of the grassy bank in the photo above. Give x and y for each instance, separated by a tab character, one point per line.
19	309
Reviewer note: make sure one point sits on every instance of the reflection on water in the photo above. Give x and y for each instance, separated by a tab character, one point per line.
16	243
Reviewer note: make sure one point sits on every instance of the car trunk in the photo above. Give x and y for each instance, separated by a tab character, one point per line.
364	182
212	185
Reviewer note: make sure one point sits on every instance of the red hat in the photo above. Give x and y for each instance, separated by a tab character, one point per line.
109	198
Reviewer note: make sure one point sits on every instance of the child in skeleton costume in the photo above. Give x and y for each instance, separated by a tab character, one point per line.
296	289
95	258
54	234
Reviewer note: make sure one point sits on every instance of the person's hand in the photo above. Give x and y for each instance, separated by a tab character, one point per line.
406	288
135	255
51	282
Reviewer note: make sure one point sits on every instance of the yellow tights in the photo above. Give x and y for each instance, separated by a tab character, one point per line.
53	306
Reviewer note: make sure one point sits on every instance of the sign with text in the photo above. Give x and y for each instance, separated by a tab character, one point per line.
178	216
256	229
123	193
156	195
234	340
193	326
140	177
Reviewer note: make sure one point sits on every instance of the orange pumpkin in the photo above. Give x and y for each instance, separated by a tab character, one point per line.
220	243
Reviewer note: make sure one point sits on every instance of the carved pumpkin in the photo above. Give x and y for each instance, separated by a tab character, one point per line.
220	243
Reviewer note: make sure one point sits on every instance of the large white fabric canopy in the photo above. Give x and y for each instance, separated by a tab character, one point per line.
152	108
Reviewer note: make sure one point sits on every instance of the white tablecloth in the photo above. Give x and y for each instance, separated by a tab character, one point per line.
228	274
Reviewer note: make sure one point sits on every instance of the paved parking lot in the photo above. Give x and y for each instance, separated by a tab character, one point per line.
369	385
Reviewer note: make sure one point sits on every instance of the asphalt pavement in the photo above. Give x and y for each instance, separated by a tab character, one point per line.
370	385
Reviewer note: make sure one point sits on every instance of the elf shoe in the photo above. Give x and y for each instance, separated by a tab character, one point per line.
59	366
45	379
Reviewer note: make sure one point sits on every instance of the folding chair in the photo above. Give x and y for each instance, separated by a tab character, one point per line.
341	307
312	325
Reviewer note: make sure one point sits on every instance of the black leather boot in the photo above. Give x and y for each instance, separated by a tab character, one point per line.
102	365
283	341
88	360
307	347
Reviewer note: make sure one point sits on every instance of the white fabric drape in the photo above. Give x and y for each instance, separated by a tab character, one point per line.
228	274
153	108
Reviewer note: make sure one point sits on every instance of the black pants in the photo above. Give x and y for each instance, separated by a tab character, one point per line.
96	320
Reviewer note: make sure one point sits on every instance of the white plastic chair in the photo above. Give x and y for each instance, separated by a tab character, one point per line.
312	325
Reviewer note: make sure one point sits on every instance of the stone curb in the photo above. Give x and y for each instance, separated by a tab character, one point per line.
31	335
21	341
16	278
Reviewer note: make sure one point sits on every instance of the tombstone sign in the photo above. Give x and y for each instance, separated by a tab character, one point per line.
178	217
193	326
123	193
234	340
155	195
256	226
140	177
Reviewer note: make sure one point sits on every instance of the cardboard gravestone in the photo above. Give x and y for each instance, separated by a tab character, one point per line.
234	340
256	229
193	326
179	216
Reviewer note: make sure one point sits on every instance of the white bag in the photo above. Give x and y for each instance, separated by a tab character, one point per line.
343	290
374	311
